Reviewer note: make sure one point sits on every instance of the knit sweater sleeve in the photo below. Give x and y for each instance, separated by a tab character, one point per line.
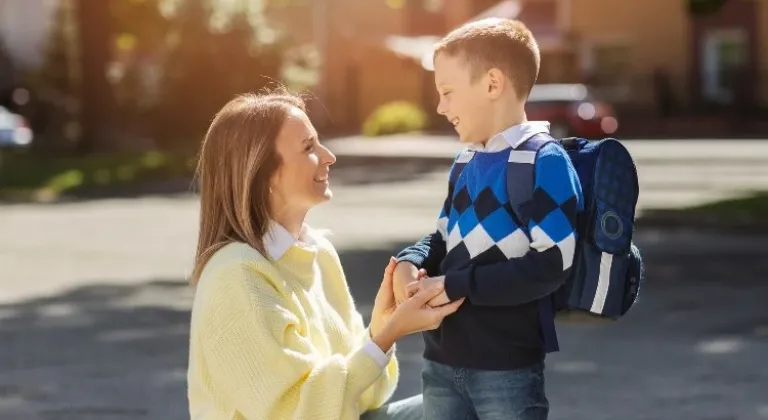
383	388
259	361
557	199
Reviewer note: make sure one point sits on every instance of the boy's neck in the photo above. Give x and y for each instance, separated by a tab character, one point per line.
502	125
505	120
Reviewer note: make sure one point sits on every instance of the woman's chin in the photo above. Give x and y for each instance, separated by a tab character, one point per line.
323	193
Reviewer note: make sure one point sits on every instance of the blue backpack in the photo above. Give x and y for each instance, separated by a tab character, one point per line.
608	269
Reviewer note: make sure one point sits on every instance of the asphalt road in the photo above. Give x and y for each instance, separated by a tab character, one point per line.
94	307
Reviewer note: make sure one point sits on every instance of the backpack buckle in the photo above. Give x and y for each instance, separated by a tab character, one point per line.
570	143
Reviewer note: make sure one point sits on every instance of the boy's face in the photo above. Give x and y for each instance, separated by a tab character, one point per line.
466	103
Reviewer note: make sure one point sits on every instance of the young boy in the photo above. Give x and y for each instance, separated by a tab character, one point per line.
486	361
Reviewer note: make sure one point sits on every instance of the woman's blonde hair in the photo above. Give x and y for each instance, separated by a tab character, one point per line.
237	160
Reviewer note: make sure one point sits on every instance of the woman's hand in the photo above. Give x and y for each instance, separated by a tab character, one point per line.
426	282
390	321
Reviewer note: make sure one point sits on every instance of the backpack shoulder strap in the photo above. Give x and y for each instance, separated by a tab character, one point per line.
459	163
521	176
520	185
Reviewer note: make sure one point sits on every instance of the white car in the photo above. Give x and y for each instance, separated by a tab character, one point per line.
14	130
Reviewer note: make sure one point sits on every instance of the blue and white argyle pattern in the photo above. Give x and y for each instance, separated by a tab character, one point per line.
478	224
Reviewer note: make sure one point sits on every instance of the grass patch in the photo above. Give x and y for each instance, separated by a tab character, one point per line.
25	174
752	206
746	213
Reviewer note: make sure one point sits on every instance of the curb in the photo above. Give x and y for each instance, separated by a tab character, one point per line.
674	219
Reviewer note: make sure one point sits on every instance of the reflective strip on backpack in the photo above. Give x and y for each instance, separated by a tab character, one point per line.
522	156
603	281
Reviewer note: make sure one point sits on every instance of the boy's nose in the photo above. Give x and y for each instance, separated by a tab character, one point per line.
441	109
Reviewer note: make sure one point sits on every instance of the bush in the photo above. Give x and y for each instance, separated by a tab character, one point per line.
395	117
61	175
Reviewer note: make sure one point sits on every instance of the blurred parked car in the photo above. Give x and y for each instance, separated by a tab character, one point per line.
572	111
14	130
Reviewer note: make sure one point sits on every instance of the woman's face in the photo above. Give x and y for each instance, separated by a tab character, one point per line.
301	181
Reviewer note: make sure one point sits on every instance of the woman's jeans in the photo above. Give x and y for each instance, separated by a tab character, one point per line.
467	394
407	409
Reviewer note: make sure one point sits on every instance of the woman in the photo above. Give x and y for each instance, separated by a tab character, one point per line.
274	330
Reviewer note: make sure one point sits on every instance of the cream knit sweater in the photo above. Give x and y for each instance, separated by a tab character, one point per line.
282	339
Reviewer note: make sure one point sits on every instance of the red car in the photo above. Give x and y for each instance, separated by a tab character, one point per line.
572	110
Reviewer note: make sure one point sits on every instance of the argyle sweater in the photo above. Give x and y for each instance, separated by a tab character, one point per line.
487	258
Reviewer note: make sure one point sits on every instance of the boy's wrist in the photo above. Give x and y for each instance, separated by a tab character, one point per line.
406	268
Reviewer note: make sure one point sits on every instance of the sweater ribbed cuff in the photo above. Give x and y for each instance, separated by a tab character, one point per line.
457	283
362	371
414	259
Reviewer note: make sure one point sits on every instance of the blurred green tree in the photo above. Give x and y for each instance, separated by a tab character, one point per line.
164	66
57	83
97	102
211	57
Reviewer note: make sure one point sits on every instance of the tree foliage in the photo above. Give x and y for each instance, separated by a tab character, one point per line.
171	64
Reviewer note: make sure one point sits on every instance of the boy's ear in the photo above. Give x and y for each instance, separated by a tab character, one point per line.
495	83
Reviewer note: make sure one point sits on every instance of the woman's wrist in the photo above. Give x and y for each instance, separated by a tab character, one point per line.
384	338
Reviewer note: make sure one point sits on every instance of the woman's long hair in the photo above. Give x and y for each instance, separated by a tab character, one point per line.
237	161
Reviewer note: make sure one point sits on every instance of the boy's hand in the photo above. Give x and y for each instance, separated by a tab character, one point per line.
426	283
405	274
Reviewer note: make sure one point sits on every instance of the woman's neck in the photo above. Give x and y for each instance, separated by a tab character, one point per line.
291	221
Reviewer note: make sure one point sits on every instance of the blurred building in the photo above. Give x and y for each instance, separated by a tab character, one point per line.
647	56
637	54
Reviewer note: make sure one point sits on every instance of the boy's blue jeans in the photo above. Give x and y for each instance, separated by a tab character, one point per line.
466	394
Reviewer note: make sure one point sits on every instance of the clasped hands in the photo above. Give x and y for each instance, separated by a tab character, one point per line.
408	280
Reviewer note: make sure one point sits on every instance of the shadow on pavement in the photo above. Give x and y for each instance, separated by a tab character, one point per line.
119	351
694	348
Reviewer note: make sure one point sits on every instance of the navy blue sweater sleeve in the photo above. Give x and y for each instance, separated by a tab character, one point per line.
427	253
557	199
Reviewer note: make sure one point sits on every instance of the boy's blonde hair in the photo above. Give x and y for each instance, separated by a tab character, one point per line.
505	44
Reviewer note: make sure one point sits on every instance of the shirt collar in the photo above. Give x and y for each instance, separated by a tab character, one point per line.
514	136
278	240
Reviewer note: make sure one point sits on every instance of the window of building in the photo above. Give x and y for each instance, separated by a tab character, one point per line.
607	67
612	63
724	57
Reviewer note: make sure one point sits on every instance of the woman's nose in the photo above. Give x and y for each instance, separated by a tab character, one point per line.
328	157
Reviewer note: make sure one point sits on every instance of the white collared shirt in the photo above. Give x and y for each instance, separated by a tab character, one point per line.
513	136
279	240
